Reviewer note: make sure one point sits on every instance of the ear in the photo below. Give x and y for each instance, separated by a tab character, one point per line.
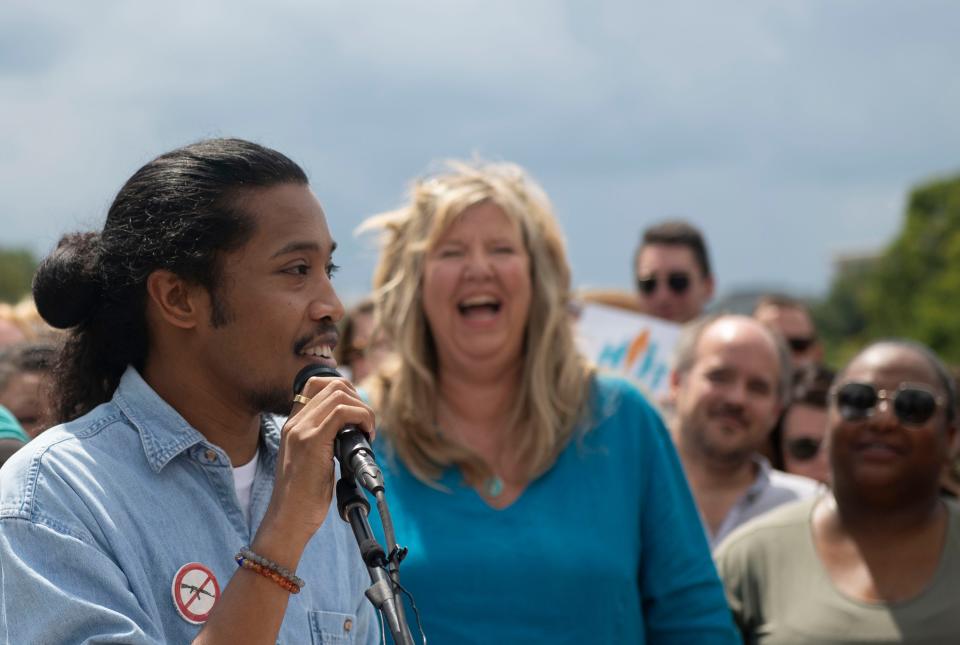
708	287
675	381
175	300
778	412
953	441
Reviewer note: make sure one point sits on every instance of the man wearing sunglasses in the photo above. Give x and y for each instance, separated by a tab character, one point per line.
791	319
672	272
731	380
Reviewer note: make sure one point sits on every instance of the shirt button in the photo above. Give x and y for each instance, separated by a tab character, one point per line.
210	455
347	625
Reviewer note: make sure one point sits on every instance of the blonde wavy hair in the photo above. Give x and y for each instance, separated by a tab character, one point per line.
24	317
554	394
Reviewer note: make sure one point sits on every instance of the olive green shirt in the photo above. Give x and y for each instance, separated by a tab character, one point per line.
781	593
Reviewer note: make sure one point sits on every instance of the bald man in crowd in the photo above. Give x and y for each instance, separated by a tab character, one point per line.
730	382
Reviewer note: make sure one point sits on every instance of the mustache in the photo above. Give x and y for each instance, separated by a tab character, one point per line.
326	330
734	411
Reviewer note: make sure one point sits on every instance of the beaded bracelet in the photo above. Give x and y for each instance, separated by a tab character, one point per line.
273	575
269	569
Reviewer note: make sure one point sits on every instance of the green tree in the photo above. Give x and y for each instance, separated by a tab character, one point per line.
912	289
16	273
841	318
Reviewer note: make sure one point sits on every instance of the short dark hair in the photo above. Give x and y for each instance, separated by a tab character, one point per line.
677	233
811	387
781	300
179	212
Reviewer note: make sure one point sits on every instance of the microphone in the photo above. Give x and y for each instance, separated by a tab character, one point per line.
351	447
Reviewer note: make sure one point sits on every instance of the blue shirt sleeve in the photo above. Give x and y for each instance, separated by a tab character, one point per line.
58	589
683	599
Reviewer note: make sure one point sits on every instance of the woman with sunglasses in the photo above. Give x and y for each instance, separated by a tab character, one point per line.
797	443
877	560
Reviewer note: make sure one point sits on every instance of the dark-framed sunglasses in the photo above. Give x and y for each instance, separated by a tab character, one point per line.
913	403
677	281
800	344
802	448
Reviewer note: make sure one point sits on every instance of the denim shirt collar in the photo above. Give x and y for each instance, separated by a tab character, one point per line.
163	432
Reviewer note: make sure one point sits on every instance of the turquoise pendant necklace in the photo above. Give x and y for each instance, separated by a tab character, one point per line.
493	486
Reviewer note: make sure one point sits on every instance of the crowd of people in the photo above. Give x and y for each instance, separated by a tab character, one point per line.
27	354
166	484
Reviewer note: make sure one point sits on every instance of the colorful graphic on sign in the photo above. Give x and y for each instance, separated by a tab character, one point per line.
637	346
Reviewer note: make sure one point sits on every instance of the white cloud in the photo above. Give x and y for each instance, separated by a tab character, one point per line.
797	121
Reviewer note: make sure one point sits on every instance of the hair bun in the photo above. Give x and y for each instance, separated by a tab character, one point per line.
67	286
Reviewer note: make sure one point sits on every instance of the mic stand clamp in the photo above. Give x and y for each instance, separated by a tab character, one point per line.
353	507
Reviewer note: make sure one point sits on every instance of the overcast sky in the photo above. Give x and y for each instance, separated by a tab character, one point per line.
789	131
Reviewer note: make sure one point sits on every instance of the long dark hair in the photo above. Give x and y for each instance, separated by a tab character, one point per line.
179	212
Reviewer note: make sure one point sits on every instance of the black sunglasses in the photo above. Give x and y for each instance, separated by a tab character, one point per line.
678	281
799	344
802	448
913	403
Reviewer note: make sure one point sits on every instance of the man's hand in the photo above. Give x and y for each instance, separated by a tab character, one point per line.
304	479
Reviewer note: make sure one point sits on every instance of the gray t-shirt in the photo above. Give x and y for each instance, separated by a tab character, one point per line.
771	488
780	591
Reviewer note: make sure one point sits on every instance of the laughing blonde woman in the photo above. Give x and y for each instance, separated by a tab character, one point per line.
540	501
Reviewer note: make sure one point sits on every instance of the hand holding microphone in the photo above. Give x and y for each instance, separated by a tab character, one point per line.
351	447
357	466
304	482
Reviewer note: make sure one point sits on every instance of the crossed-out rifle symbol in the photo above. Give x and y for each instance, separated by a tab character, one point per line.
195	589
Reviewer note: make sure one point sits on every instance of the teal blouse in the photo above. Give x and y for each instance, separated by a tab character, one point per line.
606	547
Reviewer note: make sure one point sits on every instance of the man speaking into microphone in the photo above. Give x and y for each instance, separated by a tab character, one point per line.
170	506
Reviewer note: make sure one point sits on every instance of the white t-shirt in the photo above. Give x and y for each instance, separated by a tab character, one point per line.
243	482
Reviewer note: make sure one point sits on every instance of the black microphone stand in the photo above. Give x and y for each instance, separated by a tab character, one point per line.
353	507
353	452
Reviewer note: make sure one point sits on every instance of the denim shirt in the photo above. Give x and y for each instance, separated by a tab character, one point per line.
98	516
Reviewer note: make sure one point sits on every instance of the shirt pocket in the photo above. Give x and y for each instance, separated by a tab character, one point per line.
328	627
